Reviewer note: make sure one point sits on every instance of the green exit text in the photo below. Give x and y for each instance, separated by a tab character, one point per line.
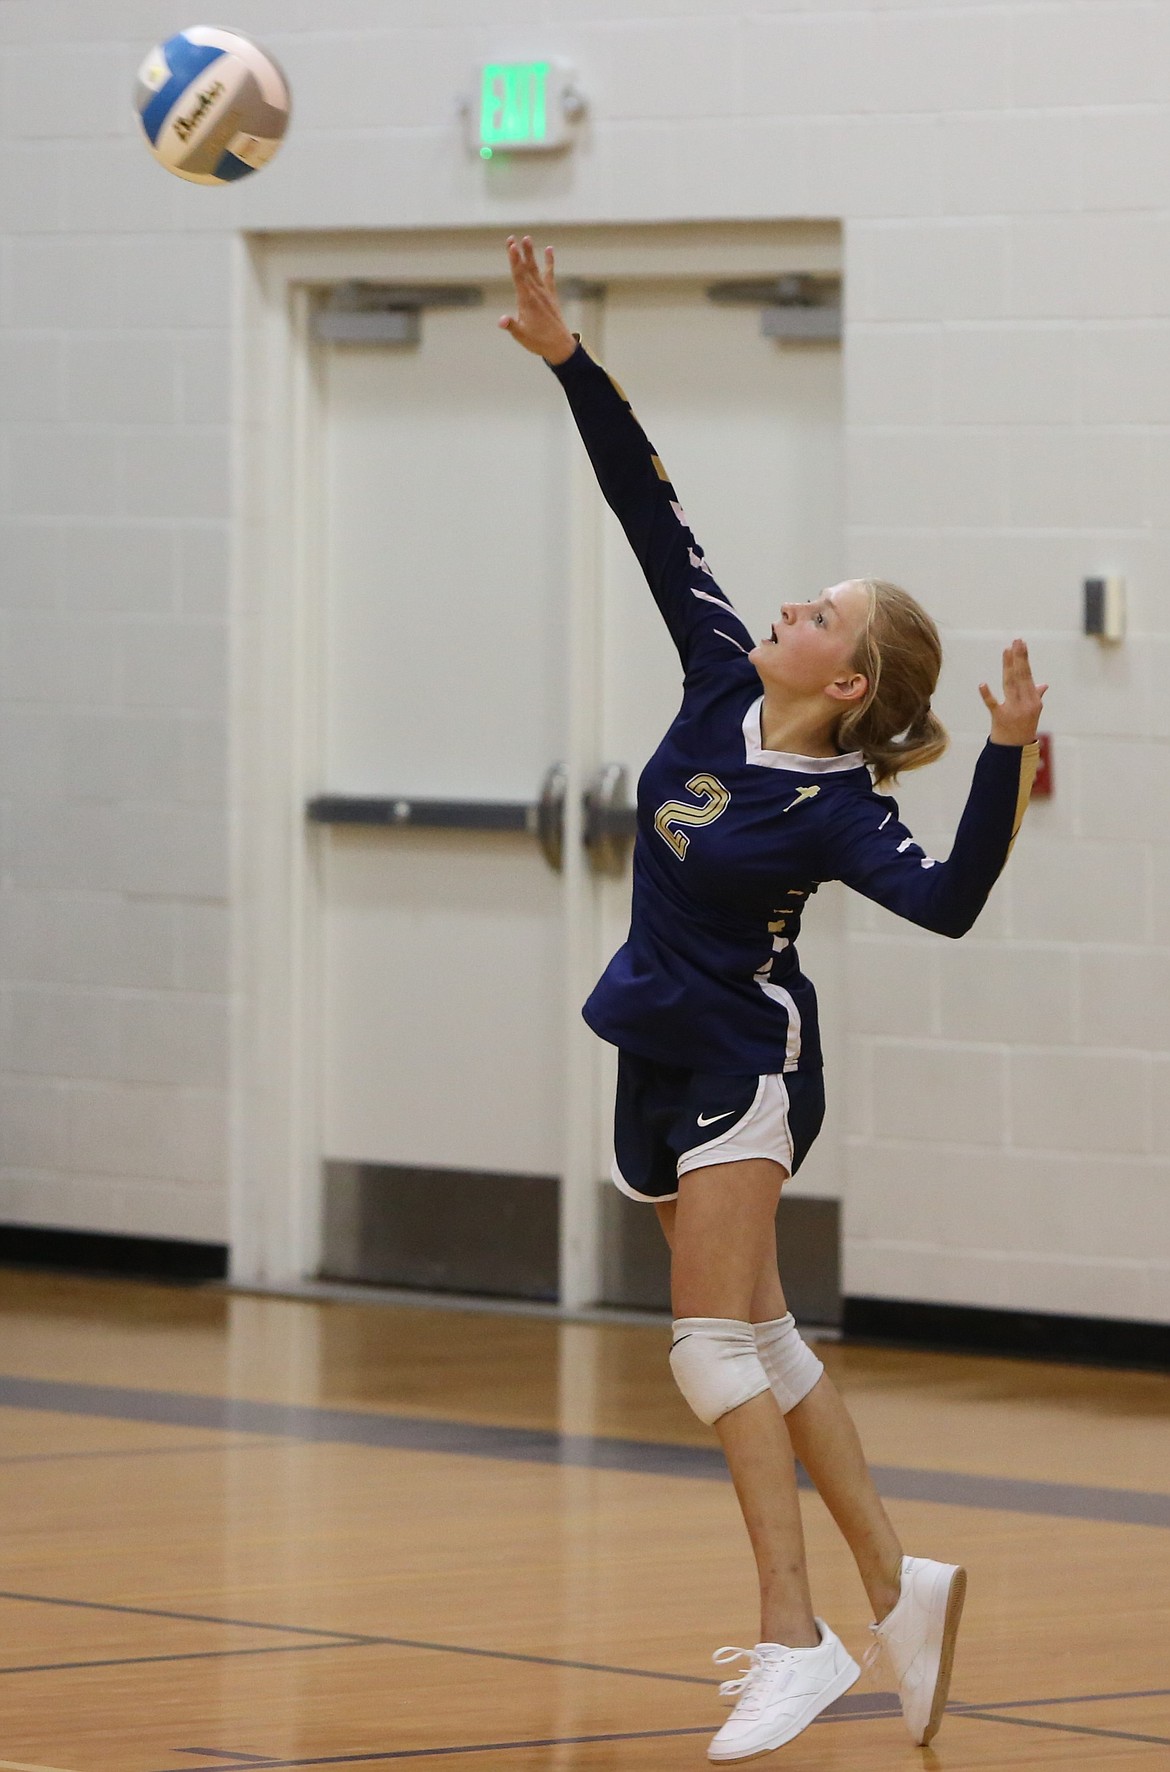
513	107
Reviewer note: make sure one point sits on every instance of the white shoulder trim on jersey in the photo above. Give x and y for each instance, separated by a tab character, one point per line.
788	759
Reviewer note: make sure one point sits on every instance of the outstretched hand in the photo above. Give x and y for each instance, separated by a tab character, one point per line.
1014	720
538	323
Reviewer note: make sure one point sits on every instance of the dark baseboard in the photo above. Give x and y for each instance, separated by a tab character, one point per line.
636	1264
496	1236
93	1252
1032	1335
442	1230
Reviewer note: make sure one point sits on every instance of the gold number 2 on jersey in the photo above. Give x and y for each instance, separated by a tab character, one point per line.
715	799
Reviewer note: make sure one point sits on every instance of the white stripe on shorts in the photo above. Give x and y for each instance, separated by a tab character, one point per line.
631	1193
763	1132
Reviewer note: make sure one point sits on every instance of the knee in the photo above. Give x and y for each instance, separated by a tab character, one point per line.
791	1367
716	1365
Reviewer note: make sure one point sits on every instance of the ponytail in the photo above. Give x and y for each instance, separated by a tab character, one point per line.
894	726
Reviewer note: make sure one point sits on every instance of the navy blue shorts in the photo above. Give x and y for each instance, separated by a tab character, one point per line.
668	1121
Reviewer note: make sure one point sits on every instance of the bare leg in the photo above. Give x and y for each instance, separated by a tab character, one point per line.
825	1440
822	1434
720	1231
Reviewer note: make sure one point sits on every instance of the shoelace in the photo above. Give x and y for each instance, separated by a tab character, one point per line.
757	1663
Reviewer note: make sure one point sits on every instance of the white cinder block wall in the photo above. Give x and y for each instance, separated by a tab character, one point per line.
1002	173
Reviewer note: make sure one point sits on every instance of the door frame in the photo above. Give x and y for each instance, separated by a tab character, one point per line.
275	1167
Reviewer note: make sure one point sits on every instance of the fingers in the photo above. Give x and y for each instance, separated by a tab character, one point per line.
1022	696
526	279
536	321
1013	720
523	265
518	263
515	266
1017	667
522	255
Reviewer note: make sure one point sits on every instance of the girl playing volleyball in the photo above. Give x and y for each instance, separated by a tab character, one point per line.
764	786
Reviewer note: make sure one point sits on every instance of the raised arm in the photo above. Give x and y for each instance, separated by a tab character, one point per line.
875	854
702	623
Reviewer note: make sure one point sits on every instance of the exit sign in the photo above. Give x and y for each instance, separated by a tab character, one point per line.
526	107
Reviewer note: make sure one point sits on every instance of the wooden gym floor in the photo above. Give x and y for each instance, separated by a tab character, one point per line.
245	1532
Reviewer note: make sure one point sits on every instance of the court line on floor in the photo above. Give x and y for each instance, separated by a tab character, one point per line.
251	1444
489	1747
486	1747
857	1707
1074	1698
434	1753
21	1766
986	1716
864	1704
218	1753
58	1667
359	1640
296	1630
317	1423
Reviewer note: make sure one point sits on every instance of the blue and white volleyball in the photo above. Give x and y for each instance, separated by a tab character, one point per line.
214	105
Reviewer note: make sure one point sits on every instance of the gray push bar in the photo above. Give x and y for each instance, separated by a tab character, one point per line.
434	815
609	825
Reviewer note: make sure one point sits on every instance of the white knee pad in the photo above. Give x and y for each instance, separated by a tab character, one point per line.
791	1366
715	1365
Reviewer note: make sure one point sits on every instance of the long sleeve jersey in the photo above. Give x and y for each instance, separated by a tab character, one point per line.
732	839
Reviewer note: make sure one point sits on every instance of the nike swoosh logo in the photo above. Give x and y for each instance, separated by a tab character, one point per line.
709	1120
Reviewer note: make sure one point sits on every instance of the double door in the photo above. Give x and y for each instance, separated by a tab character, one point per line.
494	669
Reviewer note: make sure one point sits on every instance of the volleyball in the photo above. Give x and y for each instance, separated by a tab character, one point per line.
213	104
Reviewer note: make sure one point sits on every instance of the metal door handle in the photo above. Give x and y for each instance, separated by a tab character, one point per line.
610	820
550	817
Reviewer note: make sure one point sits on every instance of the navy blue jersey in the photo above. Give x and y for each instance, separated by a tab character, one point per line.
732	839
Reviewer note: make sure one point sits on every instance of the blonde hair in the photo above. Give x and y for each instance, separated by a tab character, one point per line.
900	653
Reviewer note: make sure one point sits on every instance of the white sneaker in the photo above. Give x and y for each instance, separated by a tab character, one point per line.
918	1638
780	1694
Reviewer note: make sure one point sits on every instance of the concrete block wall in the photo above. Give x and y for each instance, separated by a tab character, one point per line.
115	395
1008	359
1002	174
